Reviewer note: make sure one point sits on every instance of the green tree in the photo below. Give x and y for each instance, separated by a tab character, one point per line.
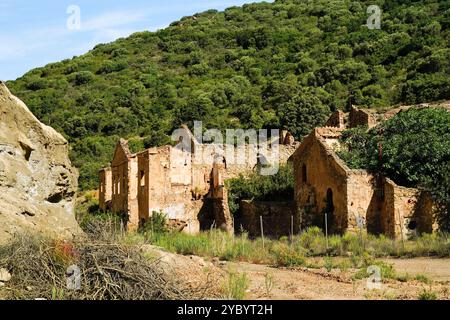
303	113
415	146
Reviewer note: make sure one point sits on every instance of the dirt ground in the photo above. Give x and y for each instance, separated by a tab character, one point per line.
436	269
266	282
318	284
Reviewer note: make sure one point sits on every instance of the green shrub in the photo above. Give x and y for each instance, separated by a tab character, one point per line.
314	241
278	187
236	286
285	256
415	153
83	77
156	224
423	278
427	295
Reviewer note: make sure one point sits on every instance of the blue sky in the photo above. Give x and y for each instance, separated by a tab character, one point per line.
34	33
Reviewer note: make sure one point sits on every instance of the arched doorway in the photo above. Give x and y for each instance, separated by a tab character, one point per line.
330	202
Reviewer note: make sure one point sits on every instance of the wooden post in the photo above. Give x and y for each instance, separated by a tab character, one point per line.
262	229
400	221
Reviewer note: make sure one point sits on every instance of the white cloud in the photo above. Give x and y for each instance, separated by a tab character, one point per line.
27	48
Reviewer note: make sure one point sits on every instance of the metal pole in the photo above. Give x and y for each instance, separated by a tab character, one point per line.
400	221
326	229
292	228
262	229
361	237
234	229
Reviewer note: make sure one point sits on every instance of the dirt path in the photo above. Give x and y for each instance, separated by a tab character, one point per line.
436	269
318	284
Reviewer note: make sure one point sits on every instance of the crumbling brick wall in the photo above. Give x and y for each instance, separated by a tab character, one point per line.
408	212
359	117
337	120
165	185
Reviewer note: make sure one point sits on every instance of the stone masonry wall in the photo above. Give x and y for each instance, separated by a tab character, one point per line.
324	179
361	200
359	117
105	188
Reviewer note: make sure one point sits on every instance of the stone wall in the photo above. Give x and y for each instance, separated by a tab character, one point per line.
408	212
165	186
359	117
324	183
425	214
105	188
277	218
337	119
362	201
320	185
132	194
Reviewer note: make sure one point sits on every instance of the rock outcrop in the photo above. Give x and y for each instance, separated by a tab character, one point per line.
37	181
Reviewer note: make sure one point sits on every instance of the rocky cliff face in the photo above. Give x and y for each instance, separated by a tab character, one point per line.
37	181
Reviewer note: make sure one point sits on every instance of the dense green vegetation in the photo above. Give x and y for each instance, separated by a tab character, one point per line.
412	148
278	187
248	66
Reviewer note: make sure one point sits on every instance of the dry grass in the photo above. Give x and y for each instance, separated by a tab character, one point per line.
110	270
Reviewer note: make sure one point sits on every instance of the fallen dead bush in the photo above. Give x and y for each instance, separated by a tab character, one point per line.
109	271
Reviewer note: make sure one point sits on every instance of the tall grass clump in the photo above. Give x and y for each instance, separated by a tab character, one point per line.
235	287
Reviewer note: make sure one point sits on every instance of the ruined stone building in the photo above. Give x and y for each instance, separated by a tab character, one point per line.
169	179
353	199
193	194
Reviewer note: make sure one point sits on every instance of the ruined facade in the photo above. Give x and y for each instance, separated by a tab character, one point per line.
353	199
185	182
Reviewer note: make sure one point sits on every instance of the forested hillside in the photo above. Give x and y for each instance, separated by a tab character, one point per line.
283	64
